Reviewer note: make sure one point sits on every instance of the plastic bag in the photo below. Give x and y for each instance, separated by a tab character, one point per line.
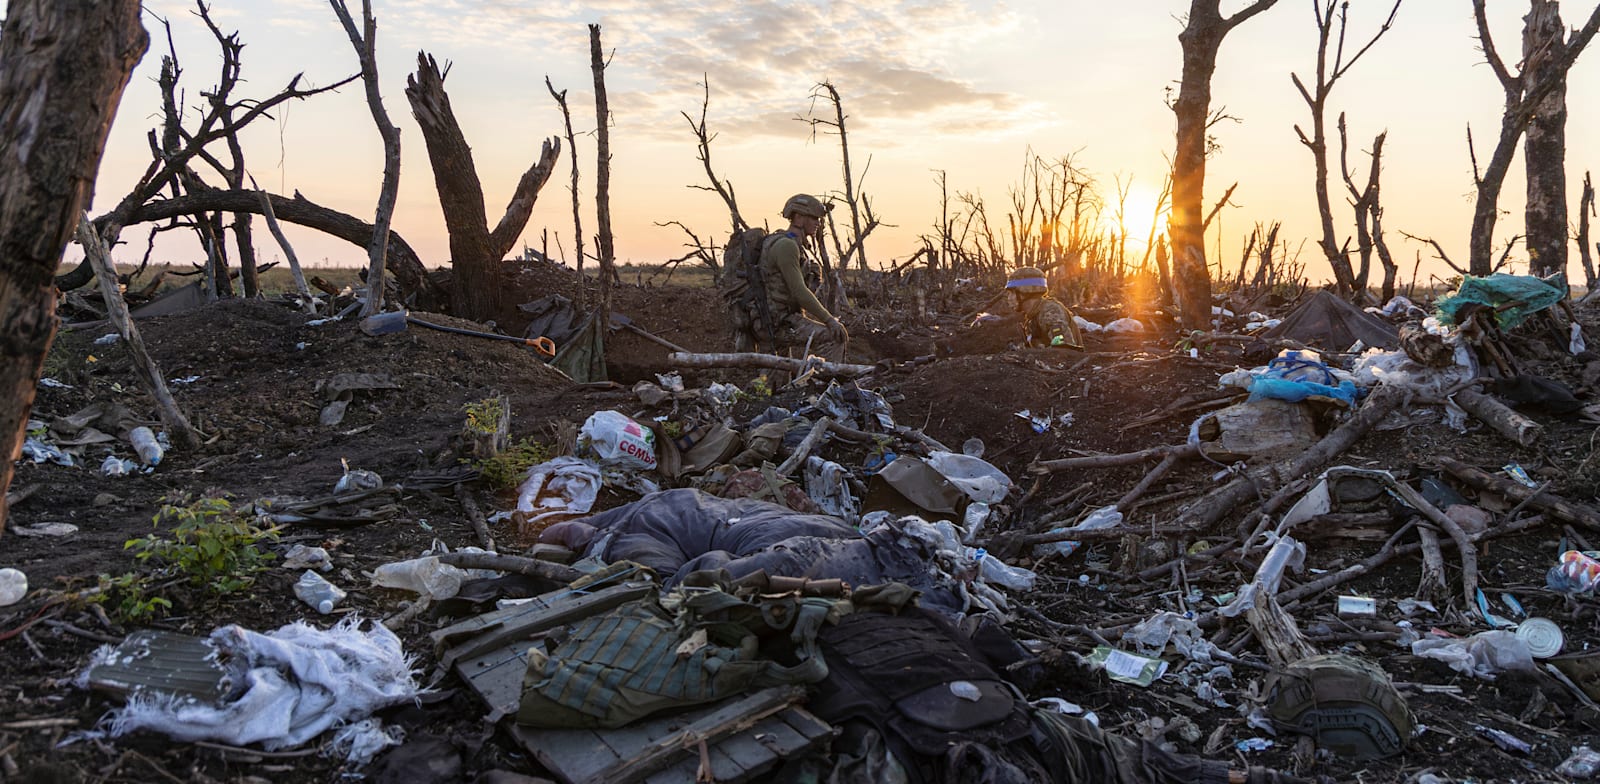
981	481
614	439
1482	655
562	486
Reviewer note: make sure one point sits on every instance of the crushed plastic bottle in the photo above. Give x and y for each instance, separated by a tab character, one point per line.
997	572
317	592
976	515
145	443
303	557
13	586
425	575
1576	572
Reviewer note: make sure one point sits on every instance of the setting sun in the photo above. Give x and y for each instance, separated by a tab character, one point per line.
1135	214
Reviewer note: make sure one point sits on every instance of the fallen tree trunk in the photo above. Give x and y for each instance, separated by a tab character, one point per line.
1228	498
512	564
1497	415
1546	502
402	260
770	361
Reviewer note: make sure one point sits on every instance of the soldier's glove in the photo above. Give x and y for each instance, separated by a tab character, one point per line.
837	331
1058	341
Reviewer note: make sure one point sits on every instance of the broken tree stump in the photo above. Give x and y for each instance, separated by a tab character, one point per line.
1432	584
1277	632
1498	416
1228	498
1544	501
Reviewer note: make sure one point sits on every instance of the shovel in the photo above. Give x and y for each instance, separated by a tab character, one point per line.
396	321
619	320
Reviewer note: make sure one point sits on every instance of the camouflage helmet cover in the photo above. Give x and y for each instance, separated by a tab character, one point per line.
1027	280
804	204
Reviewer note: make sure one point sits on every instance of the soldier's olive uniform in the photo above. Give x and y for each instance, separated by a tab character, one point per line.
790	302
1043	318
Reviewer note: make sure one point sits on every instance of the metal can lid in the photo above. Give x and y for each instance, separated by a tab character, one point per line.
1543	636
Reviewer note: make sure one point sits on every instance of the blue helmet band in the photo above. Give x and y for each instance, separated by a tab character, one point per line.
1018	283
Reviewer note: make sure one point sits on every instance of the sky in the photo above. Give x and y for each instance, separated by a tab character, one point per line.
969	89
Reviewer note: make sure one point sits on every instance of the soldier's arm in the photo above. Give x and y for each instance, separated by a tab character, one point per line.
786	257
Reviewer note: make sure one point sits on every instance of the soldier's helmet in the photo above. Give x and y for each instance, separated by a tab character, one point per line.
804	204
1027	280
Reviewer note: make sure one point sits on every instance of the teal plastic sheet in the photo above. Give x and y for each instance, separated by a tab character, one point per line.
1524	294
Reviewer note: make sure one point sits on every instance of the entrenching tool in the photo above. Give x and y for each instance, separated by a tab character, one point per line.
396	321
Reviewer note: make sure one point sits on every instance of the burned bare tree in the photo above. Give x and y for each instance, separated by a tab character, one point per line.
1585	211
703	136
602	178
1316	99
63	67
572	153
365	41
1368	207
478	289
1545	148
1201	38
862	220
1544	70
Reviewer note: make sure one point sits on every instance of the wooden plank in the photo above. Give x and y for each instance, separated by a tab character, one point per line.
731	718
559	613
563	752
497	676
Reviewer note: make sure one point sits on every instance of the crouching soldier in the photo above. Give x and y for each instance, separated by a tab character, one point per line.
767	295
1045	321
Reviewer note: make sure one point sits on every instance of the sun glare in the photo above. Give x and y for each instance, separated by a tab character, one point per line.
1136	213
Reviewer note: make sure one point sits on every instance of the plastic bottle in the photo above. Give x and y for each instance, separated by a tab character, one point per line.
1583	764
976	515
145	443
13	586
995	571
1575	573
425	575
318	592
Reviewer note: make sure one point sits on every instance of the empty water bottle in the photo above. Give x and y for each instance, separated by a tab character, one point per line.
318	592
145	443
998	572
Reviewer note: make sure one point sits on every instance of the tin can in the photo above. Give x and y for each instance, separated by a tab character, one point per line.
1543	636
1357	607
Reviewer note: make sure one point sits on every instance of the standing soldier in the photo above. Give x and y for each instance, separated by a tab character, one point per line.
1045	321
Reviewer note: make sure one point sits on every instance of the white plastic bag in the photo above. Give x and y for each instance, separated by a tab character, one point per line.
614	439
1483	655
981	481
562	486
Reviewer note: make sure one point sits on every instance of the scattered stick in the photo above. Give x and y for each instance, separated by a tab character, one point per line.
769	361
1277	632
1432	585
801	452
475	514
1107	461
1549	503
39	724
512	564
409	614
1161	470
84	633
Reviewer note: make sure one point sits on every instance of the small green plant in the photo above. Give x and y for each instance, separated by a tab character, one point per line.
128	598
672	429
212	544
507	469
484	416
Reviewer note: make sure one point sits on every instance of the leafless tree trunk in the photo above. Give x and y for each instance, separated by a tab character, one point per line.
117	309
1201	38
234	173
365	41
1545	148
1524	96
1368	208
479	290
602	189
858	203
1585	210
572	153
288	250
703	136
63	67
1317	101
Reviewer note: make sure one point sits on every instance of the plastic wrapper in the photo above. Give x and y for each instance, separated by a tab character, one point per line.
616	440
981	481
1483	655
